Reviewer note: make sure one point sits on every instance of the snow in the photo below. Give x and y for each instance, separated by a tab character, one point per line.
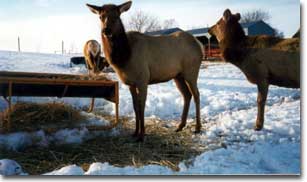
258	158
20	140
228	111
252	159
106	169
10	168
71	170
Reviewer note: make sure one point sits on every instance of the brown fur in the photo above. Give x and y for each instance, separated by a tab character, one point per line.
264	60
297	34
140	60
275	43
94	62
92	53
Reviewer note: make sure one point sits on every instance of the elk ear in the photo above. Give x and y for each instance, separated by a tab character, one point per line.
94	9
227	15
125	7
238	16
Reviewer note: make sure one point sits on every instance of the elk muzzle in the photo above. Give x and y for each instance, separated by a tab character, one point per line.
107	32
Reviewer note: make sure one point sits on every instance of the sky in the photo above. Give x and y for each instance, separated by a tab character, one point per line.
43	24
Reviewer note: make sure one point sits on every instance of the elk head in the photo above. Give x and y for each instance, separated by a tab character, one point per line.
227	27
110	17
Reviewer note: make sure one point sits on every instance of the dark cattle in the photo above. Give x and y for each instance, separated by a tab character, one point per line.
81	61
77	61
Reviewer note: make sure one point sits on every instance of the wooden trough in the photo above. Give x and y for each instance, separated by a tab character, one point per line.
22	84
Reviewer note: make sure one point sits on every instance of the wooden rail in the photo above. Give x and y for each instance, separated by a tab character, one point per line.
212	52
57	85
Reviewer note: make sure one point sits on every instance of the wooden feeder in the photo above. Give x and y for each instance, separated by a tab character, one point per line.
22	84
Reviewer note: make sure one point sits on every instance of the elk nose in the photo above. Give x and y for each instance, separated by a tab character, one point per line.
210	31
106	31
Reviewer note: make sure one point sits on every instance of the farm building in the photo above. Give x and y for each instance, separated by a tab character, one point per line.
164	32
251	29
211	44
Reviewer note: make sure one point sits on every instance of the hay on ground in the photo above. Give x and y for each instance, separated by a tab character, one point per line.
33	116
162	146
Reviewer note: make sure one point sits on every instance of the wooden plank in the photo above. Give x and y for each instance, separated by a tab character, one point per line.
32	74
54	85
55	81
10	106
57	90
116	103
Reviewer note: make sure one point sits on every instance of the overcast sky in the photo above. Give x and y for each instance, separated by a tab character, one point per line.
43	24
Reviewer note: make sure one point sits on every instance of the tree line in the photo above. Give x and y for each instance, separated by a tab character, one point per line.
144	22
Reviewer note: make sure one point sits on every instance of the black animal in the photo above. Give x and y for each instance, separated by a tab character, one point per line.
81	61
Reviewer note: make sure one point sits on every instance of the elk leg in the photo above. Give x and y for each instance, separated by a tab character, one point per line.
87	65
91	108
185	92
142	95
136	111
263	88
194	90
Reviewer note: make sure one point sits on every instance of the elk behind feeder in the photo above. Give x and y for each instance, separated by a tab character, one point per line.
94	62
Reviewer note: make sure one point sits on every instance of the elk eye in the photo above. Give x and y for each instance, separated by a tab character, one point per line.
102	17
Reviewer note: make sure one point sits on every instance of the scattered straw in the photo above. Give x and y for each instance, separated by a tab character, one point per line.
32	116
162	146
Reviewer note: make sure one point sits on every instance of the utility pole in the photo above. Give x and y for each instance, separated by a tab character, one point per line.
19	50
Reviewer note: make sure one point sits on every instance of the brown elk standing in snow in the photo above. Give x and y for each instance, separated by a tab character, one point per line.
94	62
140	60
264	60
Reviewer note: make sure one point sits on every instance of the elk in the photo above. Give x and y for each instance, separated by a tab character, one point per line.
264	60
141	60
94	62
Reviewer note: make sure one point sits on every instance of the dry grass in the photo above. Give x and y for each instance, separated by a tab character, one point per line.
162	146
32	116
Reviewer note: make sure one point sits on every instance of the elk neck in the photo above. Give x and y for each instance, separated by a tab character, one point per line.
116	48
233	48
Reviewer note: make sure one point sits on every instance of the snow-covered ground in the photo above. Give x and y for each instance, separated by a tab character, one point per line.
228	110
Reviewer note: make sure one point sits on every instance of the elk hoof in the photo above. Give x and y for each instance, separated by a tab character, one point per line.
180	127
135	134
178	130
258	128
197	131
140	139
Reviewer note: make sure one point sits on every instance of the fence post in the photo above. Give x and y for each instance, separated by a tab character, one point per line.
19	50
62	47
